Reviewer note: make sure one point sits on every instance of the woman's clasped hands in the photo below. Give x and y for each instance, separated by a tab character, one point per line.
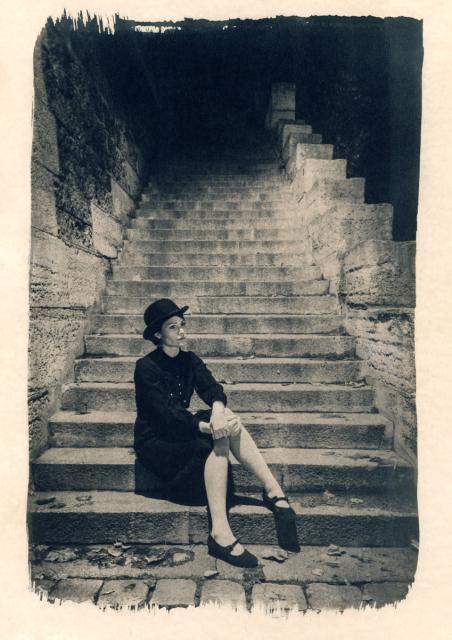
222	424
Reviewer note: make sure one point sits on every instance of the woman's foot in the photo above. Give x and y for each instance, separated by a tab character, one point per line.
225	538
277	493
227	553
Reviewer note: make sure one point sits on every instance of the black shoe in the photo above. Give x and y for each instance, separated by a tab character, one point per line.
285	522
245	559
286	513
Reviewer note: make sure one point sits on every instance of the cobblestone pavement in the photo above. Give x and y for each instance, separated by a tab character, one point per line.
139	576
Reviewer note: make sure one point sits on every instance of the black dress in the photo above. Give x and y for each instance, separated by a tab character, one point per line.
167	439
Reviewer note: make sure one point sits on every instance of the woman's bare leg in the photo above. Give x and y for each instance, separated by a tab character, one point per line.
247	453
215	478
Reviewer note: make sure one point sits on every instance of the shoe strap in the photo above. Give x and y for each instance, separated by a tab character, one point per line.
231	546
276	499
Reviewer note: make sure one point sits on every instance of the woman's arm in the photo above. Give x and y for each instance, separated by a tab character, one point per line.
213	394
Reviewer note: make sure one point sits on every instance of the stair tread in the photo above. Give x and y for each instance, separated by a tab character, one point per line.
367	458
232	359
308	503
350	419
243	386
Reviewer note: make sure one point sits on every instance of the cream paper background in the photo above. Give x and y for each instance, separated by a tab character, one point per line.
426	613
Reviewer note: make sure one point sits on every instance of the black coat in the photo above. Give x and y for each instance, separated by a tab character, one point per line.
167	439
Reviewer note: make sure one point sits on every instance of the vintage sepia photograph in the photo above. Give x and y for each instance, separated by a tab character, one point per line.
222	382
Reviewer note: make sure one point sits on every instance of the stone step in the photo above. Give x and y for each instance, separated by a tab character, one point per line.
243	396
349	190
219	204
234	274
256	217
225	324
280	345
181	288
115	469
210	191
164	181
216	246
268	369
124	516
233	304
212	223
233	259
308	430
198	233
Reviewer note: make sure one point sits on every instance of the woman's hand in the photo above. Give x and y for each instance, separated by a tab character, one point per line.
234	423
218	421
204	427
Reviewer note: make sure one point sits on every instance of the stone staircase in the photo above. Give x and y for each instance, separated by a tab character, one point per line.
222	236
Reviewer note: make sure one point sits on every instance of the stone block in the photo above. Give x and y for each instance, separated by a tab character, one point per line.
76	590
287	129
132	180
123	593
43	209
45	141
400	408
328	596
342	226
223	592
275	596
384	593
107	233
55	336
174	593
385	342
38	403
63	276
283	96
295	152
122	203
378	272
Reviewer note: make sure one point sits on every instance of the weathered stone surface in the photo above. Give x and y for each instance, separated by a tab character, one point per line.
174	593
123	593
344	225
385	342
284	596
38	404
380	273
296	151
63	276
356	565
107	233
45	145
328	596
288	128
400	408
122	203
385	593
56	336
223	592
76	590
43	210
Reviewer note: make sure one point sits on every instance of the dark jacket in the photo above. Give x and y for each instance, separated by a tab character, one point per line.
167	436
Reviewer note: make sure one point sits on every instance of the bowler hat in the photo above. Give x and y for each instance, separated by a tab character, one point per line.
156	314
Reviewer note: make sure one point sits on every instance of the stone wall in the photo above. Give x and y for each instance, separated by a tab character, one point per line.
87	175
373	276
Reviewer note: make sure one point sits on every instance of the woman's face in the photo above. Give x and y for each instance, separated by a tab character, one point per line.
172	332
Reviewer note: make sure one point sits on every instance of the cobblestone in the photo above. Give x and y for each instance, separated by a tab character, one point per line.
330	596
174	593
223	592
281	595
123	593
76	590
385	593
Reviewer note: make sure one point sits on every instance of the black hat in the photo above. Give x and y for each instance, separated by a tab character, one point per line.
156	314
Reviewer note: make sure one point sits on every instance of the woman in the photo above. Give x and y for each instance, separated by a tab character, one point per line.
189	453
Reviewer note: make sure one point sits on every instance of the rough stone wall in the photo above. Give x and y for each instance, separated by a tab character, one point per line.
373	276
87	175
